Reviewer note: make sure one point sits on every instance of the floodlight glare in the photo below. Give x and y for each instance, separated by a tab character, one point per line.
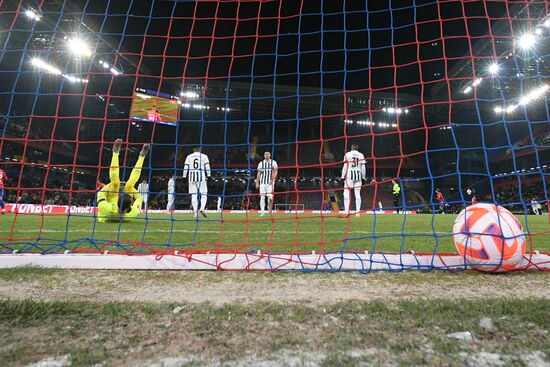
493	68
467	90
78	47
71	78
527	41
32	14
499	109
189	94
40	64
547	23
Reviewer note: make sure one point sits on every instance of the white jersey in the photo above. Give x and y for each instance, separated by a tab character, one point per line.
171	186
354	169
196	167
143	189
266	171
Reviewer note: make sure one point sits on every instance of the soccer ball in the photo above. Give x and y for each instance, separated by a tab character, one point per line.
489	237
469	192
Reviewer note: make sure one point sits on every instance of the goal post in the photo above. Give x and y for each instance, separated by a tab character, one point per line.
159	135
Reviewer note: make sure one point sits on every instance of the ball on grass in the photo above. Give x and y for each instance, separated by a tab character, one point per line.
489	237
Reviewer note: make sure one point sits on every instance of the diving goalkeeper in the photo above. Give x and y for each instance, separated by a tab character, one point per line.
113	204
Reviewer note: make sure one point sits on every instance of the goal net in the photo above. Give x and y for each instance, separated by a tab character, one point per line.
299	135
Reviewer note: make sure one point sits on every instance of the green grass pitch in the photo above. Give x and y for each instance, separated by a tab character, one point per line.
240	232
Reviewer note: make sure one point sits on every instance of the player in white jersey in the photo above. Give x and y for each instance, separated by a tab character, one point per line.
143	190
353	174
265	181
171	193
197	169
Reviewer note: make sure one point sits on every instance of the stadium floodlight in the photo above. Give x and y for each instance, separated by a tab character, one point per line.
74	79
104	64
189	94
79	47
467	90
527	41
477	82
394	110
499	109
115	71
32	15
71	78
494	68
44	66
41	64
511	108
533	95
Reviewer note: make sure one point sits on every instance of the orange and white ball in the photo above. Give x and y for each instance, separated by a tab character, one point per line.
489	237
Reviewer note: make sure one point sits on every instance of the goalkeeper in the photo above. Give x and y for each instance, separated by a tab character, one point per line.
114	205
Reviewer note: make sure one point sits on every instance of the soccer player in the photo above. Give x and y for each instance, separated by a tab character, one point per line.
153	115
143	189
471	196
265	179
197	168
171	193
3	177
353	174
219	206
536	207
113	204
441	200
396	191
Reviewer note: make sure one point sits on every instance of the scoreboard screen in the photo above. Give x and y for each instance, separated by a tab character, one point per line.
153	106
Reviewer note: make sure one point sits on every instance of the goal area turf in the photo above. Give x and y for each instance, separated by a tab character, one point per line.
377	238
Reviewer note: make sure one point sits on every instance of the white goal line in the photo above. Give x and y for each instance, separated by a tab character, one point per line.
257	262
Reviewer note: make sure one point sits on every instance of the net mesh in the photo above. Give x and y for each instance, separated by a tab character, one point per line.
412	84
